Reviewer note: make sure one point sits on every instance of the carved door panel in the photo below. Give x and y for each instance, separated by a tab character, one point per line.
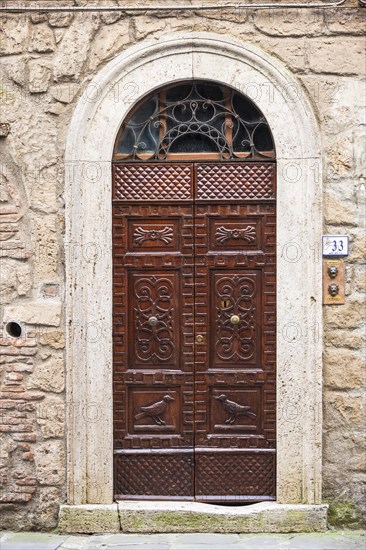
194	331
153	331
235	316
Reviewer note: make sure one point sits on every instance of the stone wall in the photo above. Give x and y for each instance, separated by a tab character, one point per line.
47	62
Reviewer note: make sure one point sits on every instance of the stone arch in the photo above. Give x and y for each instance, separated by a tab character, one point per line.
93	129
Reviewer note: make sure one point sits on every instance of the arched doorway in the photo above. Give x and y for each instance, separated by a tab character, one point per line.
88	208
194	298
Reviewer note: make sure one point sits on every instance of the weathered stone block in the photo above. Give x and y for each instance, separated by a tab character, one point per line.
51	417
110	17
334	56
345	451
15	280
108	41
65	93
346	338
47	505
4	129
38	17
13	34
339	157
181	517
89	518
39	76
145	26
44	194
346	410
284	22
42	39
60	19
50	462
48	375
33	140
344	369
349	315
73	50
294	53
54	108
348	20
339	212
45	235
34	313
15	68
53	338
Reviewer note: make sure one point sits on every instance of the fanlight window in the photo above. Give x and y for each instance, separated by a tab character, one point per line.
194	120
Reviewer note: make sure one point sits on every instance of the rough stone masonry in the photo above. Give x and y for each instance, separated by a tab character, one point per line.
47	62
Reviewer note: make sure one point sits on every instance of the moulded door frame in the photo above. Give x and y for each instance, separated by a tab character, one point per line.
89	149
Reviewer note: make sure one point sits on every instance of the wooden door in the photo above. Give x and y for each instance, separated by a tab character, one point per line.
194	331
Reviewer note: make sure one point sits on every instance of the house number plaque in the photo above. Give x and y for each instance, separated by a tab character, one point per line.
335	245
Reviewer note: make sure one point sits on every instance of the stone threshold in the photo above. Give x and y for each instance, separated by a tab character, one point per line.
192	517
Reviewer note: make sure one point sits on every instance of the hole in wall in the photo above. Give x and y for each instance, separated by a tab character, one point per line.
13	329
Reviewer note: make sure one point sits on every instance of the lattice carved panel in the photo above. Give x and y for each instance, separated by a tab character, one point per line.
235	181
238	475
152	182
154	475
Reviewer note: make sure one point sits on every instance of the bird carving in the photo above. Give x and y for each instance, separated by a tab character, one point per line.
234	409
156	410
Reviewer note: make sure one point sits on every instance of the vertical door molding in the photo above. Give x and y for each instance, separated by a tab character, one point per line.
88	187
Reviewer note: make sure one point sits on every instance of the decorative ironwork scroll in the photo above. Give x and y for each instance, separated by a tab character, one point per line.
195	118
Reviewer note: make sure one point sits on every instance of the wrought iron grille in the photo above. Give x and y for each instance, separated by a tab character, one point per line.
188	119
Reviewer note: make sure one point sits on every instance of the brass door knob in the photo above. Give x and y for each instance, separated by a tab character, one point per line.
199	339
235	319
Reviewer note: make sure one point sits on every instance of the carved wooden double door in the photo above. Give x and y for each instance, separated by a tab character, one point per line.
194	331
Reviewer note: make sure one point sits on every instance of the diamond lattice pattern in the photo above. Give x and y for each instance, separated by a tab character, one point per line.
152	182
235	181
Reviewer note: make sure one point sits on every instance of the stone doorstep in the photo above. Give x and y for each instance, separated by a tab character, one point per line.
192	517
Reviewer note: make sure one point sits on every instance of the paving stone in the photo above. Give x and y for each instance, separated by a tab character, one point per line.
328	541
120	538
131	546
74	542
31	541
207	539
331	540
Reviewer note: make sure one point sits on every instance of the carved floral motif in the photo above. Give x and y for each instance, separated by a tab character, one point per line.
224	234
235	341
153	298
141	235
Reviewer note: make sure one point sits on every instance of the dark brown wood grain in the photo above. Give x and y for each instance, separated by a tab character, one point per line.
193	246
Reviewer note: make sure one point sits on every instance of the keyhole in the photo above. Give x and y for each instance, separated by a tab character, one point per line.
225	303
